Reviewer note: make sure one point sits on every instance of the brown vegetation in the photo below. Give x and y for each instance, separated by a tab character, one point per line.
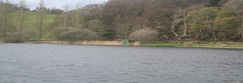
144	35
21	36
74	34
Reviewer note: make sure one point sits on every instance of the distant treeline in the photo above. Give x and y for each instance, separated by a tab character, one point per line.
152	20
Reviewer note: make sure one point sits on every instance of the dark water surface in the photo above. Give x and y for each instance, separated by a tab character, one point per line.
43	63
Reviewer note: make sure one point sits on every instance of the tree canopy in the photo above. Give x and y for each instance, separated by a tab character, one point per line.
215	20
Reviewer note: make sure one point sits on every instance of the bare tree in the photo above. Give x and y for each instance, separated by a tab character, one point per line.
210	25
185	24
186	10
66	8
5	16
22	6
177	19
123	30
1	10
98	27
237	6
1	7
77	12
41	17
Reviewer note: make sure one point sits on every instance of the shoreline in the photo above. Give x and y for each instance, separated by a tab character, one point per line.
185	45
105	43
239	45
197	47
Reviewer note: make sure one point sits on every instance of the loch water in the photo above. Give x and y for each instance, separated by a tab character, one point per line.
46	63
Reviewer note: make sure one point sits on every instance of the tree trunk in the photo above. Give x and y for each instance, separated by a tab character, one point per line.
1	10
241	31
176	20
126	32
172	30
212	31
185	24
201	33
41	18
65	18
211	28
77	17
21	19
40	33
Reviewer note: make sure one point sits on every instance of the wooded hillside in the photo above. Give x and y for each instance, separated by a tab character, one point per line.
152	20
206	20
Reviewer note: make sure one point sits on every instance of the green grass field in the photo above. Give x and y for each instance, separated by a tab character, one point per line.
31	21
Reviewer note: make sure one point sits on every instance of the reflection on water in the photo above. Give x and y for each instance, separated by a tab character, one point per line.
43	63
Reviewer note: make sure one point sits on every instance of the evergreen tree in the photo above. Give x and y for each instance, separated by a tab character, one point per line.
214	3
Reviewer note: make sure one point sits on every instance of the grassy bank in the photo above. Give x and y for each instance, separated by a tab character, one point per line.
31	21
213	45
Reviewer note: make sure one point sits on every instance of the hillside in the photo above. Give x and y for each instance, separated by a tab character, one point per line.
155	21
31	21
135	20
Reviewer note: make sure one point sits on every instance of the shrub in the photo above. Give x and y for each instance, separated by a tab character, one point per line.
164	37
22	36
74	34
144	35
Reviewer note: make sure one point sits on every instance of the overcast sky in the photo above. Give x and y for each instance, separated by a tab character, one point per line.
32	4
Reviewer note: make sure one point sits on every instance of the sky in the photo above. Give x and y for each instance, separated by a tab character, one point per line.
32	4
